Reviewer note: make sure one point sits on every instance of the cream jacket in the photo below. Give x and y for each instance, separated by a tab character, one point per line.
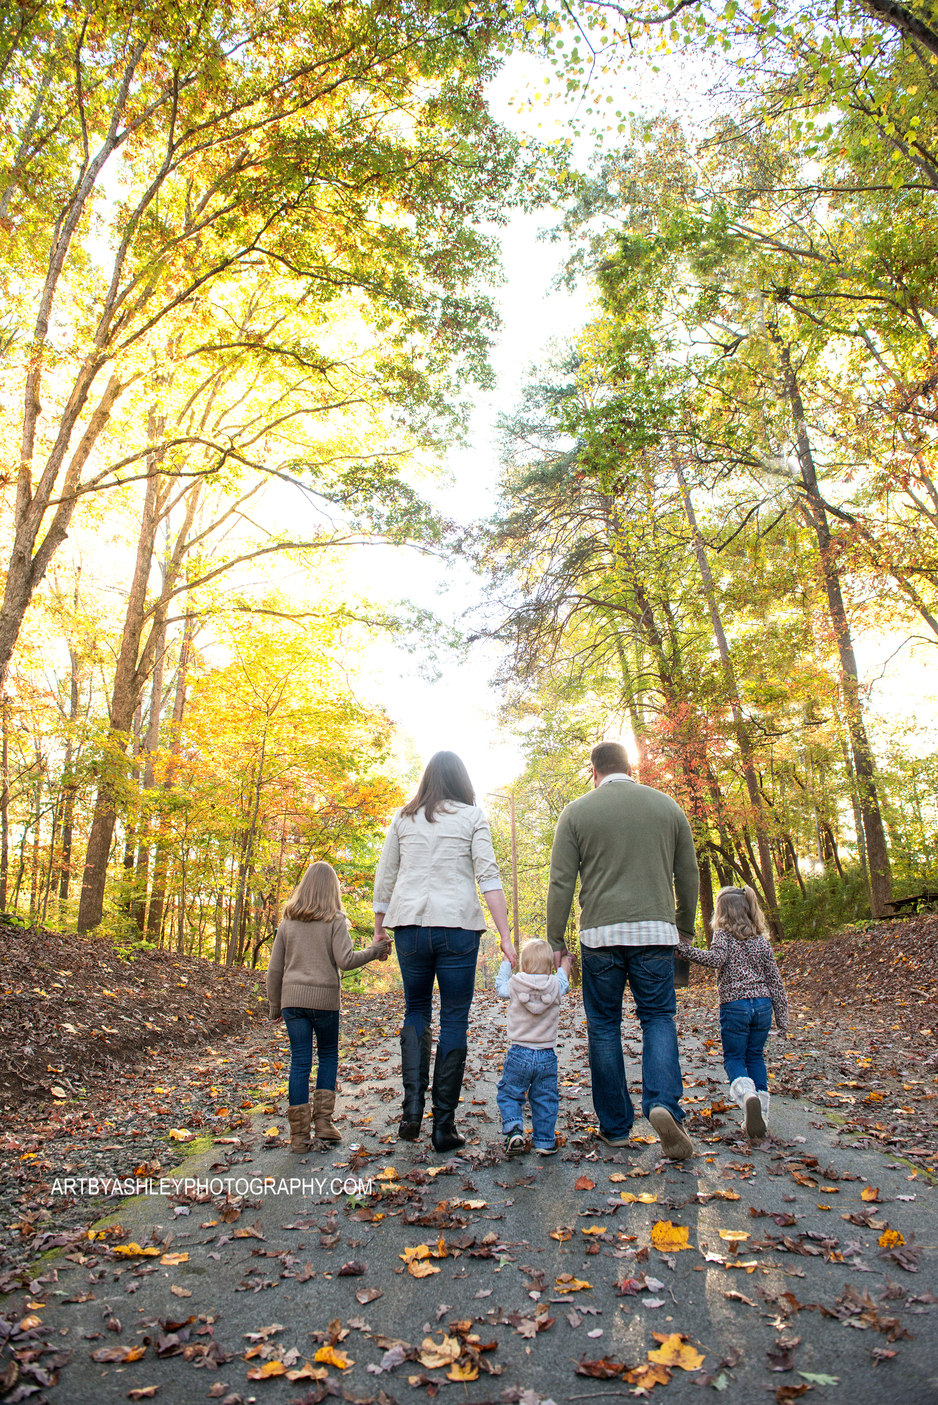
429	869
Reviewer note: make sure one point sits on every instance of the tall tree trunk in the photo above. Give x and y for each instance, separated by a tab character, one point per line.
239	924
161	857
815	514
123	706
150	746
743	739
34	859
4	801
69	785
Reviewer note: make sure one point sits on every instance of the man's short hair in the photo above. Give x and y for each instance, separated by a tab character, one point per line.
608	757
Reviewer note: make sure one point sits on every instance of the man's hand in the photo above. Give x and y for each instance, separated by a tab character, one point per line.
508	951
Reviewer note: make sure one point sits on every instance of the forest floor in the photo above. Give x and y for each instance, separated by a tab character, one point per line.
856	1121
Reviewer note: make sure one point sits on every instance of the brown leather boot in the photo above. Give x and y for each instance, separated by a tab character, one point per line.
298	1118
323	1108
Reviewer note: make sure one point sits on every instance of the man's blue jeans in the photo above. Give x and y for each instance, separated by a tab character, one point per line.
530	1073
302	1025
449	955
744	1028
649	971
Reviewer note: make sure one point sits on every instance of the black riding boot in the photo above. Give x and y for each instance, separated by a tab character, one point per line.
415	1075
447	1081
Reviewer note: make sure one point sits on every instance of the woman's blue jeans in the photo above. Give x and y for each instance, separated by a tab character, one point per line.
649	970
744	1028
301	1026
530	1073
447	955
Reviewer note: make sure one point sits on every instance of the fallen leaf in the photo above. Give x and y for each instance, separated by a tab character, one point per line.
133	1249
668	1237
308	1372
142	1392
568	1284
735	1236
646	1198
368	1295
820	1379
269	1368
462	1371
178	1292
180	1134
593	1229
890	1239
330	1357
174	1259
675	1351
435	1354
584	1183
561	1235
870	1194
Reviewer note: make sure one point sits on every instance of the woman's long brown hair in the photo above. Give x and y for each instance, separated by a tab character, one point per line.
445	779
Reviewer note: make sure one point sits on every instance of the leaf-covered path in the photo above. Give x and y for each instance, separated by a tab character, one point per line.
242	1296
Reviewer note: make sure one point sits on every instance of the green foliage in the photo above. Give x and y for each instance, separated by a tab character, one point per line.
827	904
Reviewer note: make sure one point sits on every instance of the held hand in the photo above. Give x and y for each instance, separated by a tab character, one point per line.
566	964
508	951
384	947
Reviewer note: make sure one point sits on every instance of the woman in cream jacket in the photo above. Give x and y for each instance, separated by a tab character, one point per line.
439	847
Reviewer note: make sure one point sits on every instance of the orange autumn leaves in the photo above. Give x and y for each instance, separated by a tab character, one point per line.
674	1353
418	1258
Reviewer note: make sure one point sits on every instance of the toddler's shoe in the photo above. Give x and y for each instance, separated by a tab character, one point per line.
514	1144
547	1150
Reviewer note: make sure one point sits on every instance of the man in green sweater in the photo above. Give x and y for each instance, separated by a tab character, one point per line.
632	850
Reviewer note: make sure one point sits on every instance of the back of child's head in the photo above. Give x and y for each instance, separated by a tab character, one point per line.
537	959
317	897
737	911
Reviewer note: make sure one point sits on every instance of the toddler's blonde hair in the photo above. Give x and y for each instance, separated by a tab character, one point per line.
537	959
317	897
737	911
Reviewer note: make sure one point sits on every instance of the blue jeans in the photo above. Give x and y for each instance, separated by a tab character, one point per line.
744	1028
301	1026
649	971
530	1073
448	955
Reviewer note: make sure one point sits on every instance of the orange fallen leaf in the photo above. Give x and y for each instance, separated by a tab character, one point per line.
308	1372
330	1357
269	1368
890	1239
462	1371
646	1198
592	1229
584	1183
735	1236
561	1235
443	1353
568	1284
174	1259
424	1269
870	1193
142	1392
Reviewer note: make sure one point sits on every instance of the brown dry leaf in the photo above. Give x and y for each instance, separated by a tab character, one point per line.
422	1268
669	1238
616	1177
647	1376
308	1372
443	1353
368	1295
584	1183
142	1392
675	1351
602	1369
178	1292
870	1193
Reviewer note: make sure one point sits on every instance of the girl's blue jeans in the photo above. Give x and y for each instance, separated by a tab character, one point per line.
302	1025
530	1073
447	955
744	1028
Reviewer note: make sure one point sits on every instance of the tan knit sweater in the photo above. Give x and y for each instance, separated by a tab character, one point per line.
306	961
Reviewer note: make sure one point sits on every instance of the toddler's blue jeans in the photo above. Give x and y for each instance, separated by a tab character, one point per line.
744	1028
530	1073
302	1027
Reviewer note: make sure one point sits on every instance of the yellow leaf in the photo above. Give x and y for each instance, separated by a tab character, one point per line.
271	1131
568	1284
723	1194
471	1204
890	1239
179	1134
443	1353
675	1352
592	1229
434	1170
420	1251
133	1249
669	1238
26	1324
174	1259
330	1357
561	1235
462	1371
735	1236
869	1193
646	1198
441	1251
269	1368
423	1269
389	1174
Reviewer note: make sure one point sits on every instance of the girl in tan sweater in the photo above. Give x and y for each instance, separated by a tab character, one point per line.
304	987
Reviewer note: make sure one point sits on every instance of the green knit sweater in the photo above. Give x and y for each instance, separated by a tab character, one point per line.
632	849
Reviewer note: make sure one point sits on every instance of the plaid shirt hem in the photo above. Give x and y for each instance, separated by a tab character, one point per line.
631	934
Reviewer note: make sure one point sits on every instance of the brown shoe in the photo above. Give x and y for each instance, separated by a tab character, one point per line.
323	1108
298	1118
675	1143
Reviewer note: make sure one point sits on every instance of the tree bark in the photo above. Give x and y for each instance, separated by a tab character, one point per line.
815	514
743	740
161	858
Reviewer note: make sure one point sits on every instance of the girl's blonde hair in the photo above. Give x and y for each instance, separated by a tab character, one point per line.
537	959
317	897
737	911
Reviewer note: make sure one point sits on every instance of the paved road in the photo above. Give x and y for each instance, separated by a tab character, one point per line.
499	1276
